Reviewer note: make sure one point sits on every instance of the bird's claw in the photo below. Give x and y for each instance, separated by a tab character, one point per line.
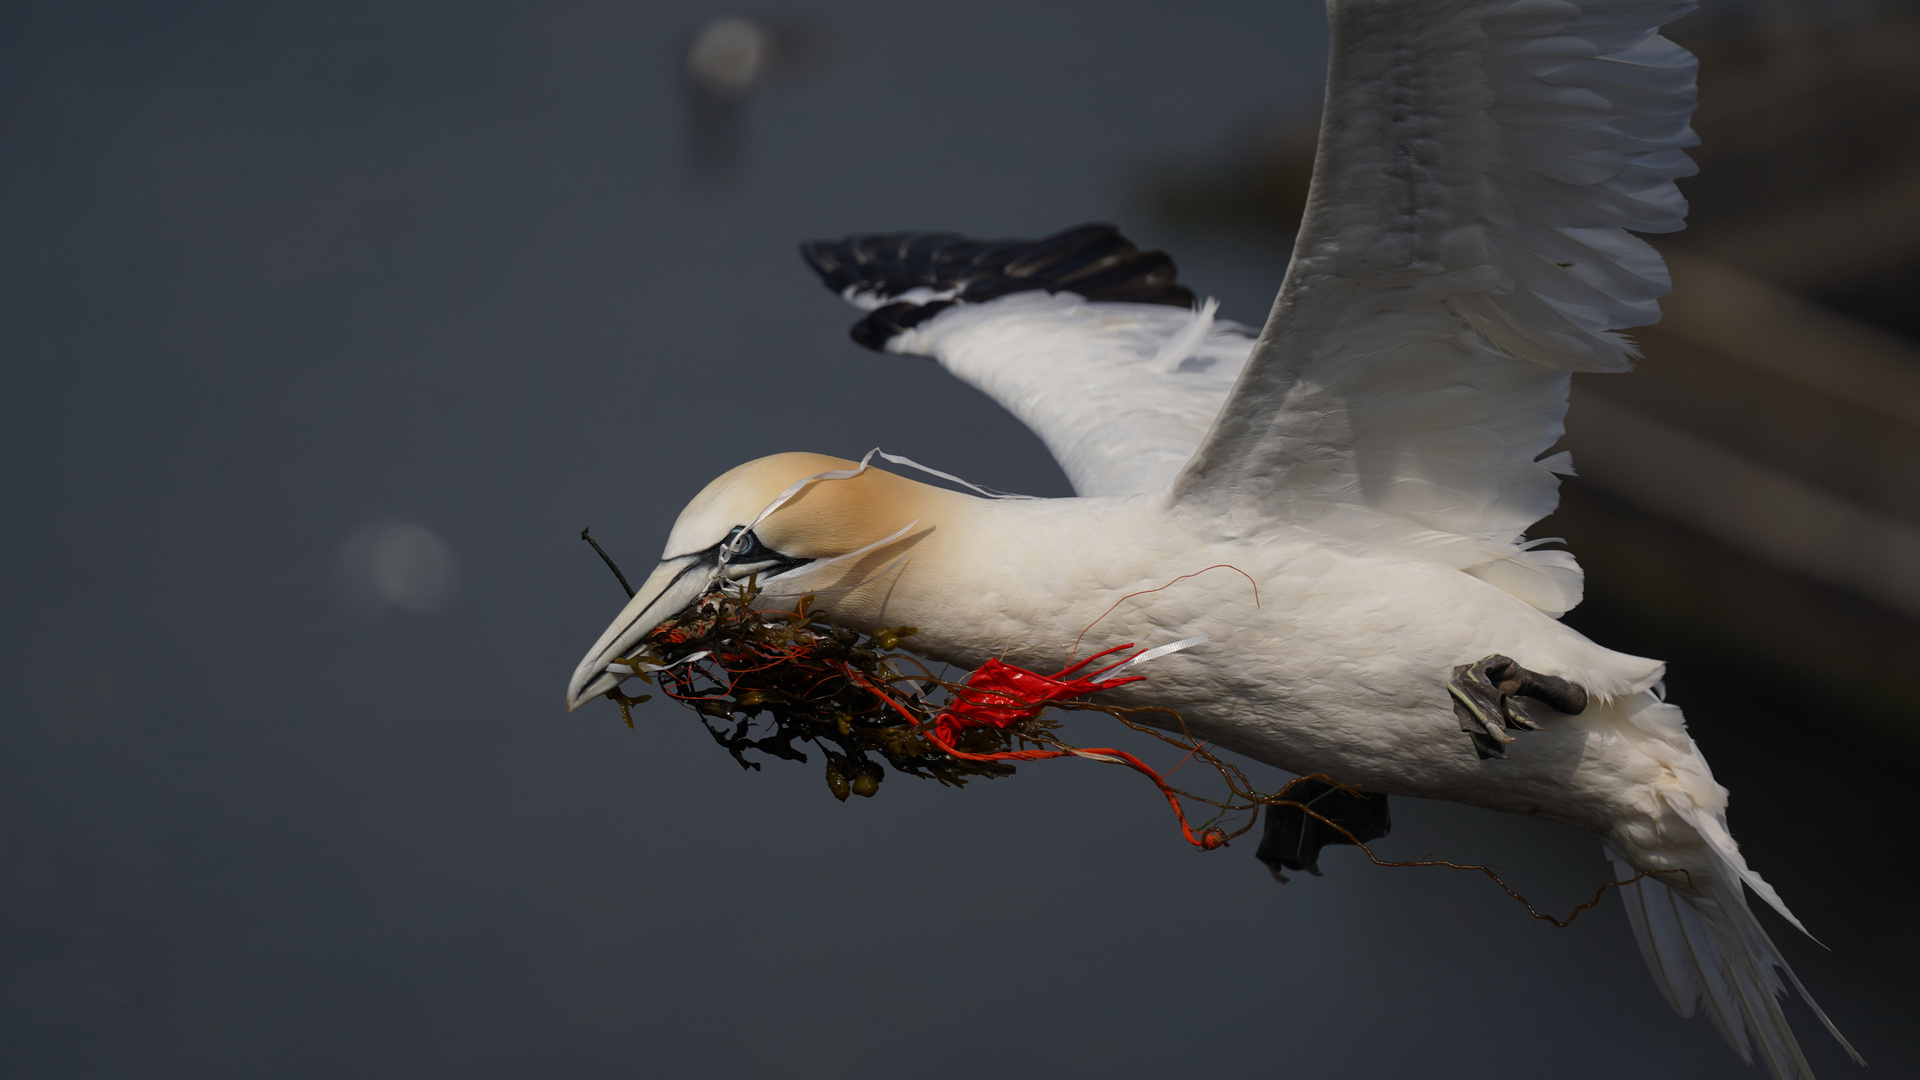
1482	695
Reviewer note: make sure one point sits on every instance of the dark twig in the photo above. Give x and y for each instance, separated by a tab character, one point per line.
604	557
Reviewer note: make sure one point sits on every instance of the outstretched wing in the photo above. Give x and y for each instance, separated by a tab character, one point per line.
1464	249
1089	341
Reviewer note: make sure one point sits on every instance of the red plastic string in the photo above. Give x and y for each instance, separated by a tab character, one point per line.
1000	695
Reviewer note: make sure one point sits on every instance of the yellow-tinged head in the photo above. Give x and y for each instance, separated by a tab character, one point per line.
824	518
783	517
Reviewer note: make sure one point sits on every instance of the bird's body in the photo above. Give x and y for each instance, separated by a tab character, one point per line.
1339	506
1317	659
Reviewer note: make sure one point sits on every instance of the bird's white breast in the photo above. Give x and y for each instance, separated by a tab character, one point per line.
1338	666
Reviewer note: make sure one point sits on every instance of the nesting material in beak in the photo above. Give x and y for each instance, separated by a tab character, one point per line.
670	589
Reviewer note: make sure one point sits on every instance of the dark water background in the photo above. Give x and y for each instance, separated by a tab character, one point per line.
270	272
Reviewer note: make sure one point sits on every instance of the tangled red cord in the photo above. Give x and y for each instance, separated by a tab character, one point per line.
1000	695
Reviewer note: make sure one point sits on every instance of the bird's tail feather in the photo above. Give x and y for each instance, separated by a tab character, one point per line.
1704	945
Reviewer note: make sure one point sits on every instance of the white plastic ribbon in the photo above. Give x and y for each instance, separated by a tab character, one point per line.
792	581
625	667
801	484
1159	651
912	464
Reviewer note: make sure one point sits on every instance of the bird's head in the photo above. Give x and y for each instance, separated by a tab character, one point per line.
825	532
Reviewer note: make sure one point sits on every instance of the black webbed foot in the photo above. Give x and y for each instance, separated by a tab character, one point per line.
1293	837
1482	694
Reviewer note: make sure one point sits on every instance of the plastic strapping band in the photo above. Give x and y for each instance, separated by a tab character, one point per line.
1162	650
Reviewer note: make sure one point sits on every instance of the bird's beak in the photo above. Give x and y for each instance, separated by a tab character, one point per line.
667	591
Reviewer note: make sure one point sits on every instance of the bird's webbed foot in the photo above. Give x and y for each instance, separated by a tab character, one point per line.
1482	700
1293	837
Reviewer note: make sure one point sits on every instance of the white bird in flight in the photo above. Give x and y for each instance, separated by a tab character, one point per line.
1371	461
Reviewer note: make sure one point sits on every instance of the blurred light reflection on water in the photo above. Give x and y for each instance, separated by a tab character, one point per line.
394	564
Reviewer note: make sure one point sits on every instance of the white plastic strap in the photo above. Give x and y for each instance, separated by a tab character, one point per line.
800	485
1159	651
912	464
822	564
625	668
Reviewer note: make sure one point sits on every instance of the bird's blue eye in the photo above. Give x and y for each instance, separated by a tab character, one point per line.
741	542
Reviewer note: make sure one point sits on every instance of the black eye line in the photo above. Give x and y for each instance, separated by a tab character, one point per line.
754	551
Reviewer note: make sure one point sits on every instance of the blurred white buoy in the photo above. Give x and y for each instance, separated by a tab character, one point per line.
727	62
728	55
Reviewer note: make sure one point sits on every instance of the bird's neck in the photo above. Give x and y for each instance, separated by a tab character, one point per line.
1017	579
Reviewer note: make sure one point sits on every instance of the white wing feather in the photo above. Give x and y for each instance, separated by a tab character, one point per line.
1464	249
1121	394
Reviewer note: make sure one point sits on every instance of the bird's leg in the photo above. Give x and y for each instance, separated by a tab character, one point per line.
1482	695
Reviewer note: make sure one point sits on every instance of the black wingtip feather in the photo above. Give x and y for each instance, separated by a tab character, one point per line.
1093	261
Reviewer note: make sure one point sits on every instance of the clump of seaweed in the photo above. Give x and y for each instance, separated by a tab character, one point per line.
768	681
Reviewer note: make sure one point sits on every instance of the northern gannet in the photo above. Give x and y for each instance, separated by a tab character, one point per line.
1370	461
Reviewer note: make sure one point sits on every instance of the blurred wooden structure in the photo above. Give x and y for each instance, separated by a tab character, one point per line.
1809	119
1763	423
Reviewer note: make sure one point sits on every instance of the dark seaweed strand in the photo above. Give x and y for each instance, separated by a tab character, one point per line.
1093	261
